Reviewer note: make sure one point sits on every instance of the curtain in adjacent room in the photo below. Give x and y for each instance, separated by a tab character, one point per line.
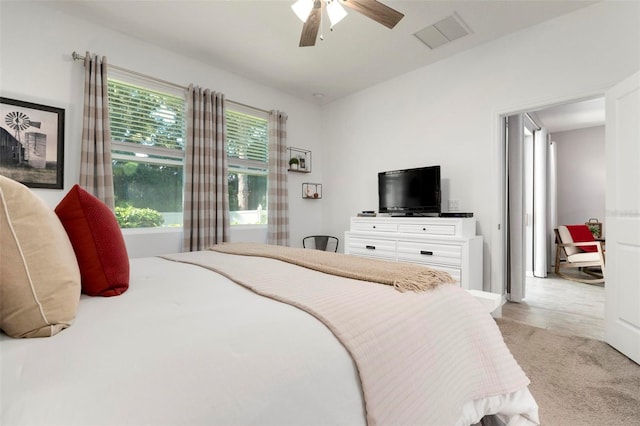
96	175
552	199
278	204
206	199
541	231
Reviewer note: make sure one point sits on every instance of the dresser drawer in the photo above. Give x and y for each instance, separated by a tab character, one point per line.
430	253
374	227
385	249
427	229
447	244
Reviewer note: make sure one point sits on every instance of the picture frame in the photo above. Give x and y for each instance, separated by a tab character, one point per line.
299	160
312	190
32	143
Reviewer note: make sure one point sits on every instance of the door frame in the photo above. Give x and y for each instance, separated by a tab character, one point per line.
499	231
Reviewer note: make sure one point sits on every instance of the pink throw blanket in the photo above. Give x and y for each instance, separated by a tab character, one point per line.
403	276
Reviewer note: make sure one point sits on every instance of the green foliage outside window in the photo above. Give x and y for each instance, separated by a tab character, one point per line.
133	217
154	186
247	192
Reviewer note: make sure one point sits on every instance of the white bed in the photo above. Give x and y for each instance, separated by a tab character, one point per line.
182	346
185	345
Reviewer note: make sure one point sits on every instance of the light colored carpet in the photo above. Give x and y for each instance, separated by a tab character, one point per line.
575	380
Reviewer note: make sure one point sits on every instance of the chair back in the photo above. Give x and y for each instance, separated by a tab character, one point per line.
321	242
565	237
581	233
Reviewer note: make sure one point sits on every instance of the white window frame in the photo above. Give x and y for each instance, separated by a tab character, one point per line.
250	167
144	153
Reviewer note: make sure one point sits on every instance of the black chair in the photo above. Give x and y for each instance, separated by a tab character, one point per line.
321	242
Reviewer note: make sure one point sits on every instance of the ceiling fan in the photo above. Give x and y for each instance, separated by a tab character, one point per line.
310	12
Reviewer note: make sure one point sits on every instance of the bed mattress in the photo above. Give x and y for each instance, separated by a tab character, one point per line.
185	345
181	346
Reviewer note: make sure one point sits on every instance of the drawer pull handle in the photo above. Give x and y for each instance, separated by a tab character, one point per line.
374	227
424	229
371	247
425	252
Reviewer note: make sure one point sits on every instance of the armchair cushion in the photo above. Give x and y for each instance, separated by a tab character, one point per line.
583	257
581	234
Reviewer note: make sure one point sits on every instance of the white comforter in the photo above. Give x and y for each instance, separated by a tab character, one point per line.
183	346
187	346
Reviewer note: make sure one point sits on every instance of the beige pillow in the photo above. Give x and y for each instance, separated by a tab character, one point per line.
39	275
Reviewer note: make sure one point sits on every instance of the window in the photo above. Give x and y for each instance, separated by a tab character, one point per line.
148	135
247	153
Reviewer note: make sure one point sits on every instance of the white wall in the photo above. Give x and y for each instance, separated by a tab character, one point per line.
447	113
581	175
36	66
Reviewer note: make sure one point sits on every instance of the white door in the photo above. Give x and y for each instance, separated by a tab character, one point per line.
622	226
540	203
516	284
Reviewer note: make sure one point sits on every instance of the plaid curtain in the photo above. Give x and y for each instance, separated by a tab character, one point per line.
206	193
96	174
278	203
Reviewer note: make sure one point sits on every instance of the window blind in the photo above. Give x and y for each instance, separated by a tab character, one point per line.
146	117
247	139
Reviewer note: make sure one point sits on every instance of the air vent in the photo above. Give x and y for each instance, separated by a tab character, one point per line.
442	32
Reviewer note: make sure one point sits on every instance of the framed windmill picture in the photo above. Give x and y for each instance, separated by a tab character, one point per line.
32	143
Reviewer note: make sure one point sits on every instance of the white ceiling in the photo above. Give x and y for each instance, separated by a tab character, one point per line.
258	39
571	116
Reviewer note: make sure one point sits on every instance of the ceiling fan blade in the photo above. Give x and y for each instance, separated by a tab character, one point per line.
377	11
311	26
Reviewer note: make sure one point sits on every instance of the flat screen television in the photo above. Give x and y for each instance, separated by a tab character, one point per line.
410	191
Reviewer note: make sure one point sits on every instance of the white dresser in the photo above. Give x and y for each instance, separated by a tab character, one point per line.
448	244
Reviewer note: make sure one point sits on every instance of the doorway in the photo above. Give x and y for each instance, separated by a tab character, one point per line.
547	151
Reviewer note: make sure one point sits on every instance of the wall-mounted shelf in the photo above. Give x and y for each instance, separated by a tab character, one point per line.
303	157
312	190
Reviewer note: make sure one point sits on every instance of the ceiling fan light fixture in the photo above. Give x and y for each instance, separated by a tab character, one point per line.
302	9
335	11
310	12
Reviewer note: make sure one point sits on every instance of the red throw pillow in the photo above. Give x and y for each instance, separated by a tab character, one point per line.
582	234
97	241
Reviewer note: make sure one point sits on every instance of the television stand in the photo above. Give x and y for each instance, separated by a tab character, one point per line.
445	243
